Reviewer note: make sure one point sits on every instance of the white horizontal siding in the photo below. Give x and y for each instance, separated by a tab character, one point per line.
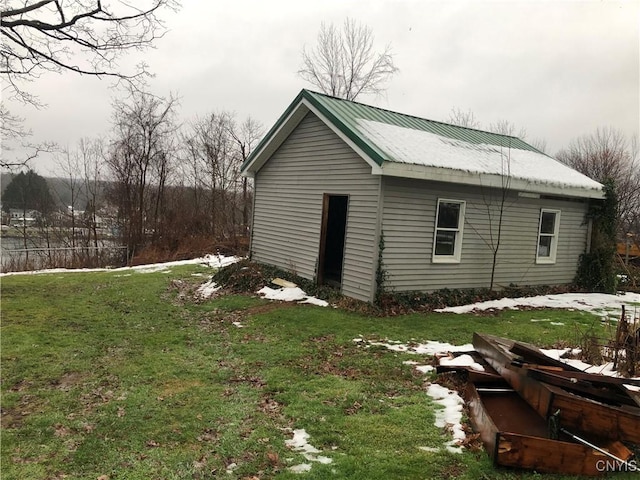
408	221
289	192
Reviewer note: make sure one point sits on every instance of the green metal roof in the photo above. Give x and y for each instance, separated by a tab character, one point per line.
344	114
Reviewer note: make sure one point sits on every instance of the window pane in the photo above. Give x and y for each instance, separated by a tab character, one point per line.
544	246
445	243
548	222
448	215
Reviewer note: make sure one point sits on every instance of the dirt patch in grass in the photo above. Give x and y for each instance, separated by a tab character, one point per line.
454	469
69	380
175	387
28	404
271	407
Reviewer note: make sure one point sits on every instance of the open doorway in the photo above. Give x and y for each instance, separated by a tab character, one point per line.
332	237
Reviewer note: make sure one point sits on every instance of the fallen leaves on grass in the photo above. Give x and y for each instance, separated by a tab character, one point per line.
209	435
61	431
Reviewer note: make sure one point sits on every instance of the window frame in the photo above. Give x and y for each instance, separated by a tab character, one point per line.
553	248
457	248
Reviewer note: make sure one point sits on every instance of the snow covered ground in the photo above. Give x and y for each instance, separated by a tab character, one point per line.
300	443
213	261
589	302
291	294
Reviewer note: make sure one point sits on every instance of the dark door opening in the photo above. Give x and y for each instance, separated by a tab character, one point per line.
332	236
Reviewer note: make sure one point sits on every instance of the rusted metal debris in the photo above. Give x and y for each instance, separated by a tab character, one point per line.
537	413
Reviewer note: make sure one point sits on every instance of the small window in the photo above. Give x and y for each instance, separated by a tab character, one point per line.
448	235
548	236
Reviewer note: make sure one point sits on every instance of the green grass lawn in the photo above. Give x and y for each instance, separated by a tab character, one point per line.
121	375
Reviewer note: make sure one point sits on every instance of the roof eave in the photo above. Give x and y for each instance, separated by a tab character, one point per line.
439	174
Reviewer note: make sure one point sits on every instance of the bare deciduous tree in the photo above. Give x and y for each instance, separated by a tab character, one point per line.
214	149
69	164
344	64
247	138
607	153
86	37
459	117
139	161
92	155
12	135
468	119
505	127
81	36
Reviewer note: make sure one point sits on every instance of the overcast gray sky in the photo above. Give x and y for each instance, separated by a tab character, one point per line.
559	69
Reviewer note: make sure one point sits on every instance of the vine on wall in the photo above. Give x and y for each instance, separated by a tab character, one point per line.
596	269
381	273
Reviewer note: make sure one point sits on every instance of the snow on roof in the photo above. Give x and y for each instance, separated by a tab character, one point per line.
418	147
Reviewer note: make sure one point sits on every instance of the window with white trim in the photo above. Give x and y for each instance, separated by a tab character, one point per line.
548	236
447	243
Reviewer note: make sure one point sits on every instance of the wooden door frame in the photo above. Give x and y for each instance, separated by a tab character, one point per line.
320	277
323	238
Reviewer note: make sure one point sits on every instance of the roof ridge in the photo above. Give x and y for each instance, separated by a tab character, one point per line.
412	116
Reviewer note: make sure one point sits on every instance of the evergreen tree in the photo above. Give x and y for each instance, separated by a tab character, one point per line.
28	191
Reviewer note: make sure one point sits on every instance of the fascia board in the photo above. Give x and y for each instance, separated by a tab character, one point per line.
438	174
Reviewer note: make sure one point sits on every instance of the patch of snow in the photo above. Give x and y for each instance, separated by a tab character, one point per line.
556	353
207	289
406	145
299	443
301	468
213	261
316	301
462	361
604	369
287	294
450	415
557	324
425	368
290	294
428	348
410	362
429	449
589	302
217	261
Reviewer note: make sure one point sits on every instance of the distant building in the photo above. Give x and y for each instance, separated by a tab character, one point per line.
19	217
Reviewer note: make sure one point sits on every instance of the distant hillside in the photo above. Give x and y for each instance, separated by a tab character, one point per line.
60	190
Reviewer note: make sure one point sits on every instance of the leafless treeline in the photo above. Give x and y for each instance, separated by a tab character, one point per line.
167	184
607	153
